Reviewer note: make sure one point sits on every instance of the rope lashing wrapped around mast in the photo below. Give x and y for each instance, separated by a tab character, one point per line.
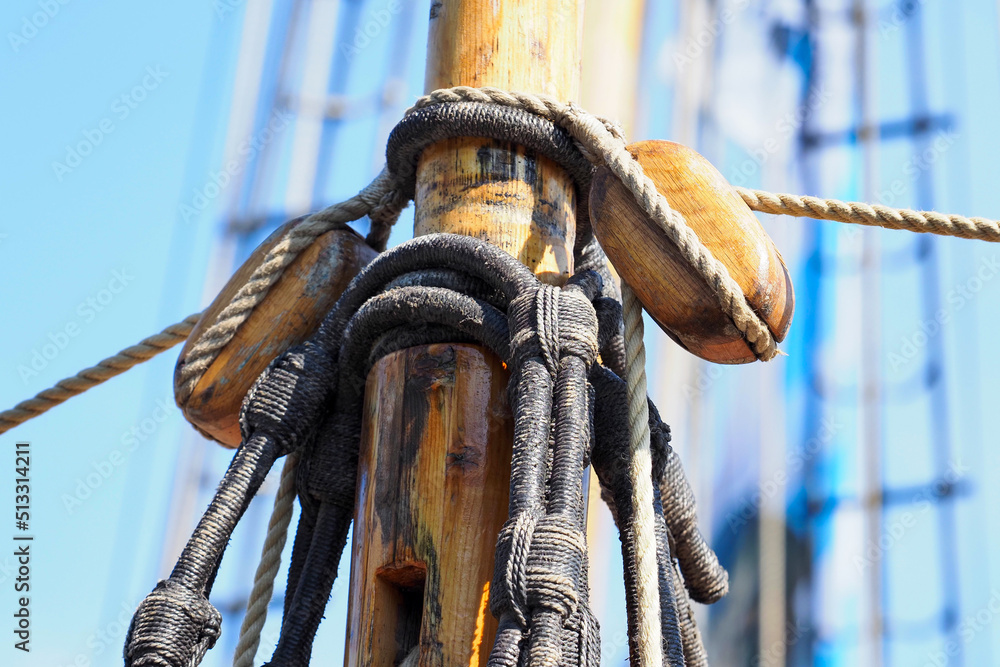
310	400
382	200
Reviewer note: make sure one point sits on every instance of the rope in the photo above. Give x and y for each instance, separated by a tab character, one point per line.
377	194
600	142
640	477
604	144
91	377
267	570
874	215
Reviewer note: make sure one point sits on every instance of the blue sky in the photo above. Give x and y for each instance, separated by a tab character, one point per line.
95	257
115	112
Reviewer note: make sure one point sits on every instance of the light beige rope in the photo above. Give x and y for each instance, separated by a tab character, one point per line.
267	570
647	585
91	377
594	137
874	215
300	237
604	145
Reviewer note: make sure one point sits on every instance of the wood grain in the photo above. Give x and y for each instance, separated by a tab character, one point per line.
291	312
435	451
495	190
434	476
676	297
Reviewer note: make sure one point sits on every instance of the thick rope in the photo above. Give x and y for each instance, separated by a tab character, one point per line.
874	215
227	323
91	377
640	477
599	141
604	144
267	570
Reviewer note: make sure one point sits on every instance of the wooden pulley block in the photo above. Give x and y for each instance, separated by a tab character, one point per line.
676	297
291	312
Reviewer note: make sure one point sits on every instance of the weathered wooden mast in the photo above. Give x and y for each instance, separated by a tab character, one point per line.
434	467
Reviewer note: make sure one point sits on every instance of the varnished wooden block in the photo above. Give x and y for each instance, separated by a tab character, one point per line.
671	292
291	312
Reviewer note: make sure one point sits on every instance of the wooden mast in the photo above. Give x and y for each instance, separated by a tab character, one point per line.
434	468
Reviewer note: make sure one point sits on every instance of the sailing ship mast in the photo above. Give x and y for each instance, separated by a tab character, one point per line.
434	467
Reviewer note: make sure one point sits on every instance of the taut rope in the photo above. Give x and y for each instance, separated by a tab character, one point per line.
549	336
381	201
88	378
873	215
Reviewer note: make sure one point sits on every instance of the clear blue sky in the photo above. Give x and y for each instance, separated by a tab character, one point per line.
93	259
94	255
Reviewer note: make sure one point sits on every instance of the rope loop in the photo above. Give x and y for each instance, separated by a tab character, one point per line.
578	325
509	590
286	400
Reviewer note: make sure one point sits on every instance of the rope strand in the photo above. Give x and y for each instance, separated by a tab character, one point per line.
88	378
874	215
641	475
267	570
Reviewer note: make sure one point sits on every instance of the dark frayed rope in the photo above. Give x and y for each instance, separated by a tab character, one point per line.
310	399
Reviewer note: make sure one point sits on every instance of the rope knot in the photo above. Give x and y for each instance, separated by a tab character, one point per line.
533	319
549	322
286	400
173	627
